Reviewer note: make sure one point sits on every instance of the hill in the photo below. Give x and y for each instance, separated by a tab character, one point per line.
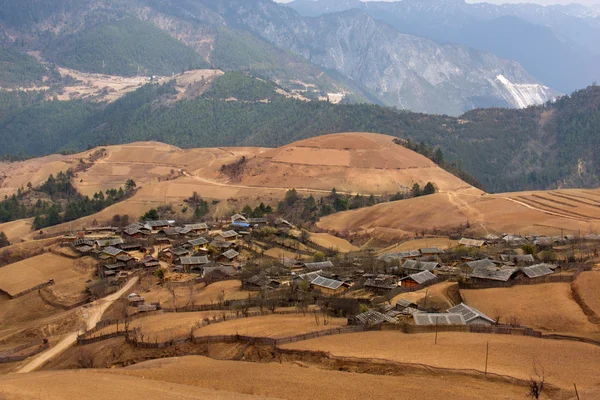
552	213
544	147
21	70
126	47
363	163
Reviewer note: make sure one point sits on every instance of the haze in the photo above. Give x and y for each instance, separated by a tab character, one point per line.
541	2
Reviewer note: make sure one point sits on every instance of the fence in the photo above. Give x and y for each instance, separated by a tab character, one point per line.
33	289
61	306
6	357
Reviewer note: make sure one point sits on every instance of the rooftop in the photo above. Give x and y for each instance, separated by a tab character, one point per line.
439	319
469	313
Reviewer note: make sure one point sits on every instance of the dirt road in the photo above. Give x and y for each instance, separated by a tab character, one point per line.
95	311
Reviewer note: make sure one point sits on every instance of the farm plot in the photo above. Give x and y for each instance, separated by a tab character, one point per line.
69	275
548	307
332	242
563	362
198	294
167	326
588	286
273	326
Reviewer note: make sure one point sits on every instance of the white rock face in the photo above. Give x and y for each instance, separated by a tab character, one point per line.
522	95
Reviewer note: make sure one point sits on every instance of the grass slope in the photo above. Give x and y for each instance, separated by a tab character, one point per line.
19	69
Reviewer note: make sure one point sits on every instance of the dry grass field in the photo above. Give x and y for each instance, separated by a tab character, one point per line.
231	290
69	275
351	162
273	326
167	326
332	242
197	377
588	286
564	362
416	244
549	307
551	212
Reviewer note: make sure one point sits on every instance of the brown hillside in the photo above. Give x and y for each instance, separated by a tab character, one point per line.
350	162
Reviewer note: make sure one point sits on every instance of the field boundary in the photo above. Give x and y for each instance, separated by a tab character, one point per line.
33	289
7	357
61	306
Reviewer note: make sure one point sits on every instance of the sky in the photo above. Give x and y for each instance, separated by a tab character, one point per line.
542	2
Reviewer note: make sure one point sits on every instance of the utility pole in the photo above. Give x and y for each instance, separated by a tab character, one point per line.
436	329
487	352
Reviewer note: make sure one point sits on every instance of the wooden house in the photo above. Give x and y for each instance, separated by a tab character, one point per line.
197	244
329	287
227	236
198	228
417	279
472	243
471	315
189	263
228	256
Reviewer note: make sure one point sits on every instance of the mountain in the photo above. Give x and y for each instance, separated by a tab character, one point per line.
557	45
405	71
22	70
548	146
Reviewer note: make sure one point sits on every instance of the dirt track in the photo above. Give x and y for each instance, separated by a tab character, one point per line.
94	311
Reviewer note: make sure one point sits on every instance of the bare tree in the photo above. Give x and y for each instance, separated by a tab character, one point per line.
317	319
536	382
85	359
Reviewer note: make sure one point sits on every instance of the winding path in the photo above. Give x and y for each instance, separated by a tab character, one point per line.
95	311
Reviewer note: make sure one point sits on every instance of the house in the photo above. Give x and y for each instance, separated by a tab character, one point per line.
115	242
308	277
430	252
219	270
257	221
125	258
228	256
316	266
238	218
492	274
227	236
485	263
130	246
260	282
514	240
414	266
371	318
418	279
329	287
150	262
197	244
404	304
432	319
198	228
471	315
221	244
136	230
135	299
518	258
473	243
110	254
158	225
381	284
492	239
240	225
112	269
537	271
404	255
282	223
189	263
173	254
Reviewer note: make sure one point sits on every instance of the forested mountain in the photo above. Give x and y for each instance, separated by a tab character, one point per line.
21	70
349	53
559	45
126	47
534	148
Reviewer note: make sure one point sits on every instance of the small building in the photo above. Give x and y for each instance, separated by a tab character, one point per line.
239	218
514	240
110	254
518	258
415	266
158	225
228	256
403	304
418	279
189	263
485	263
219	270
135	299
115	242
370	318
197	244
129	261
227	236
317	266
221	244
403	255
430	252
260	282
198	228
432	319
136	230
537	271
132	246
471	315
472	243
150	262
329	287
308	277
493	274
